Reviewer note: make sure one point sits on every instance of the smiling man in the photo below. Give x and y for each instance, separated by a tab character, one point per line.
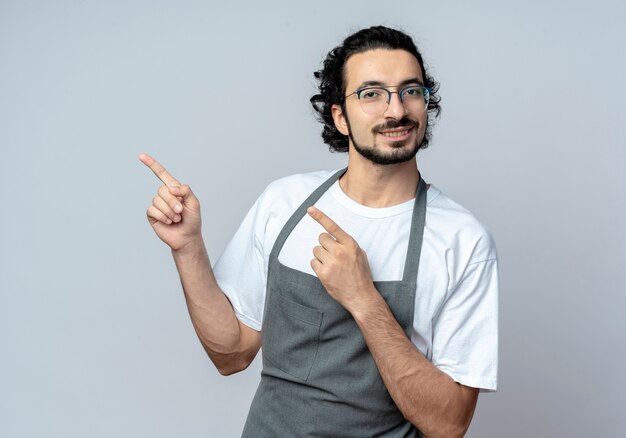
373	295
405	128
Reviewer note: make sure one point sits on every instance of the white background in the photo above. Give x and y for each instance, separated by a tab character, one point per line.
95	340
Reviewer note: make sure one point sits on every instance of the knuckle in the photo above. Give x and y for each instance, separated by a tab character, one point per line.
321	274
154	213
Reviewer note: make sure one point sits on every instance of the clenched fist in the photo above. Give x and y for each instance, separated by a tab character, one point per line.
175	210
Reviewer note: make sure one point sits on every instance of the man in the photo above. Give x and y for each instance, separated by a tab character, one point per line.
373	295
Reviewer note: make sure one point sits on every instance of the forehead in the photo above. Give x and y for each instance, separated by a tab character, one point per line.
389	67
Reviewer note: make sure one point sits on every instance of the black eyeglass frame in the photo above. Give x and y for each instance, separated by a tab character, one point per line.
400	92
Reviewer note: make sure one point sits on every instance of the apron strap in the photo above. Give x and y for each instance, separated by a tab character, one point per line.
301	211
416	237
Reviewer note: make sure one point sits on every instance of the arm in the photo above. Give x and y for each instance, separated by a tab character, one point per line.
230	344
175	218
426	396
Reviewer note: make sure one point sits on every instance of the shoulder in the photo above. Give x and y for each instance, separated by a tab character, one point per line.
300	183
281	198
287	193
451	221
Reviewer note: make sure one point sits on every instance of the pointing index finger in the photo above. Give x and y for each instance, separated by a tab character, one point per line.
158	170
329	225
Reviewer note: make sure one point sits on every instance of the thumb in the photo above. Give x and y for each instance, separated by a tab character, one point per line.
182	191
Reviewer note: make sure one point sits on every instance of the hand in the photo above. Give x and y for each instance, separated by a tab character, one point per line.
341	265
175	210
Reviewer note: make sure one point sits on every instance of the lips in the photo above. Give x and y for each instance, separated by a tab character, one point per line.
395	133
399	133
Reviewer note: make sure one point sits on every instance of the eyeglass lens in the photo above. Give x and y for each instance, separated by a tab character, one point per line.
376	100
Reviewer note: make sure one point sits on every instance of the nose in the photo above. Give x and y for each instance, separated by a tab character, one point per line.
395	109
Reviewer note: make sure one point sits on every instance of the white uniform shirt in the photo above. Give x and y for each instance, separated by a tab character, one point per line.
456	306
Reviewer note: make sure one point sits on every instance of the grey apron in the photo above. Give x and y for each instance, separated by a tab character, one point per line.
319	378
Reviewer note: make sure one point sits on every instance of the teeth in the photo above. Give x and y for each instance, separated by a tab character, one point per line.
395	134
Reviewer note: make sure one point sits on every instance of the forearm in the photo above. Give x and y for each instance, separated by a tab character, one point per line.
426	396
211	313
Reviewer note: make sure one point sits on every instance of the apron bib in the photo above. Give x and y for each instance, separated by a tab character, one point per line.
319	378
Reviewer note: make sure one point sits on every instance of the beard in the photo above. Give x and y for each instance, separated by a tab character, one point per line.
401	151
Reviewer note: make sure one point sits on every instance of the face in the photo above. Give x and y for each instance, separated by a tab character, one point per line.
395	135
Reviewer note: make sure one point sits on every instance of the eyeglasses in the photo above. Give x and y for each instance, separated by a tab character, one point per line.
375	100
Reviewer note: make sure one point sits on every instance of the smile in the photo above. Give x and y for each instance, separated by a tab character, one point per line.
396	134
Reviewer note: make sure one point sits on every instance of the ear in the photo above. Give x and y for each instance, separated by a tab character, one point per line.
339	118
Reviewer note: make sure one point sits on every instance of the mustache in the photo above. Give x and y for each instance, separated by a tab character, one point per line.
392	124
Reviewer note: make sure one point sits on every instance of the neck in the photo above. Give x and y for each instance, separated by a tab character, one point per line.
375	185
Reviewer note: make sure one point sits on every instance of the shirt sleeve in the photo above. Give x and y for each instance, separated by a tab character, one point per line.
241	270
465	332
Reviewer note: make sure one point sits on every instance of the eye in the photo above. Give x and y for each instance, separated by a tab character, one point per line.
414	92
370	94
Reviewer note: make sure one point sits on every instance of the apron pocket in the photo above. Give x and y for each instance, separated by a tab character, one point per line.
290	335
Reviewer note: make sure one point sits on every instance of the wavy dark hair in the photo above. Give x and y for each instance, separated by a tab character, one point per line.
332	79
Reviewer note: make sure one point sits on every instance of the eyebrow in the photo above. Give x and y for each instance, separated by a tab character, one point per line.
382	84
